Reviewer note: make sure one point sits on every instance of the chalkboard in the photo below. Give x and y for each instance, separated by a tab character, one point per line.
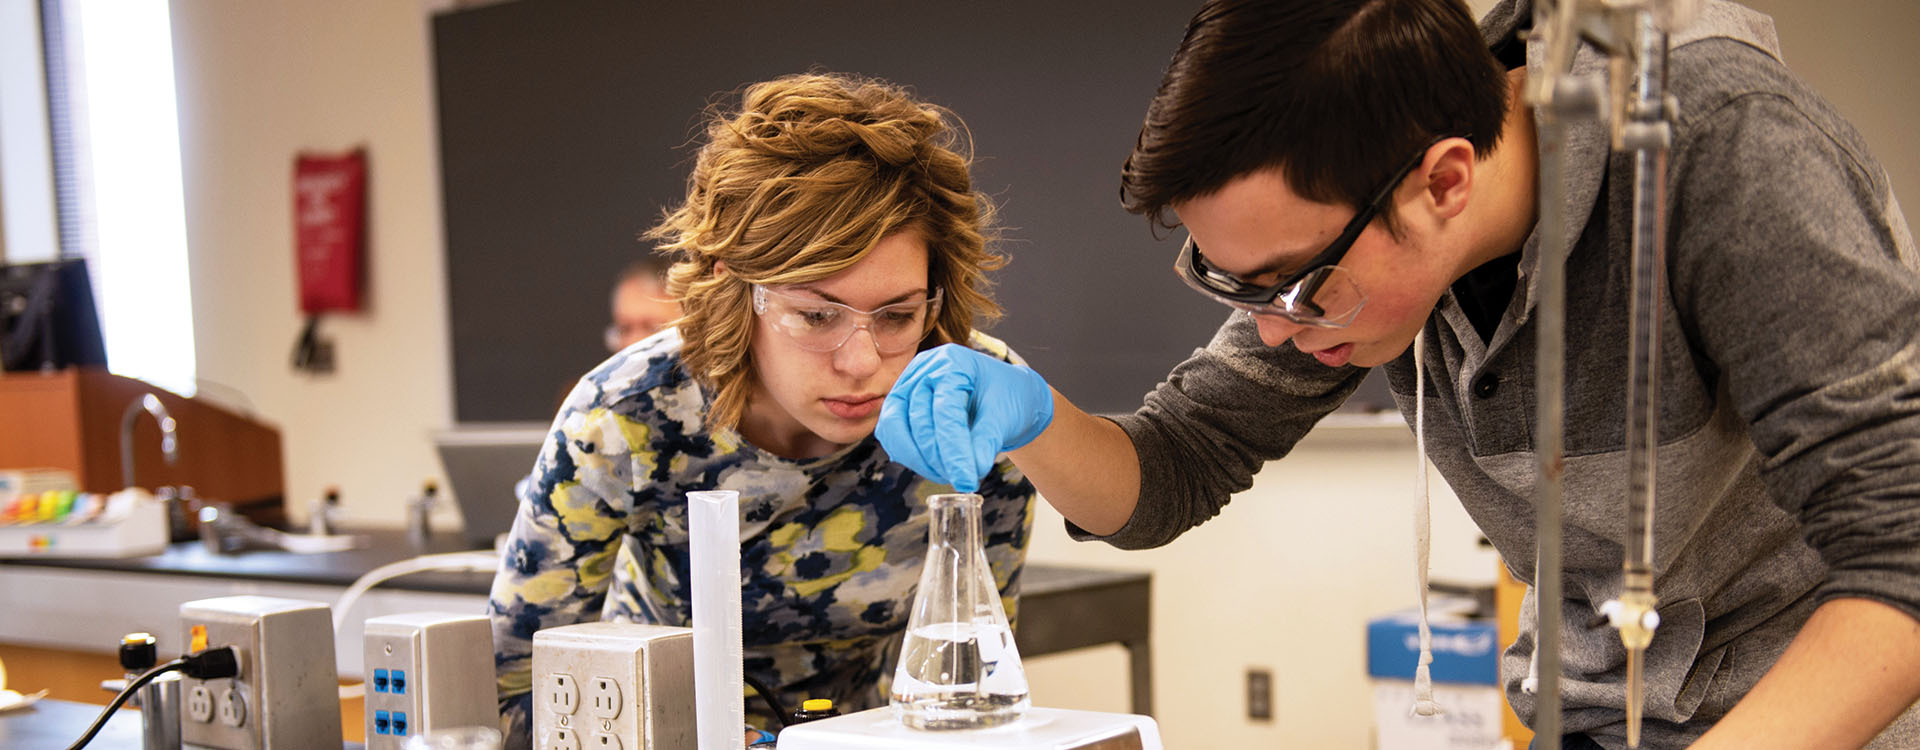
567	126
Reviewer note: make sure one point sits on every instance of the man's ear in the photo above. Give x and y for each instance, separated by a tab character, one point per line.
1448	173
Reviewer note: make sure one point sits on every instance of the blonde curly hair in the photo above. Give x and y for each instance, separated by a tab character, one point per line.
800	184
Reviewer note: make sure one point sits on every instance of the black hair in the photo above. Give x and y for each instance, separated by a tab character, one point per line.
1336	93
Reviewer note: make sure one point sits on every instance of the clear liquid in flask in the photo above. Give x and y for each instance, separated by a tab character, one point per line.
956	675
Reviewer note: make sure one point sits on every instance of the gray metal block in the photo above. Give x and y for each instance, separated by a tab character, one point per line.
286	696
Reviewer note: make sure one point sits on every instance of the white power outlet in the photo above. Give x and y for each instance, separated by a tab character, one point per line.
285	696
200	704
635	683
603	695
562	693
232	708
427	671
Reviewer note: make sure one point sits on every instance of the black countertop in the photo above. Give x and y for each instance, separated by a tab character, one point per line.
327	569
390	546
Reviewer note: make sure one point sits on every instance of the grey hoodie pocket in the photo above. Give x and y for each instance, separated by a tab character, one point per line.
1706	672
1678	675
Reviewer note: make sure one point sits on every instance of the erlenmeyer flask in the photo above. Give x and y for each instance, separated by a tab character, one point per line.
958	667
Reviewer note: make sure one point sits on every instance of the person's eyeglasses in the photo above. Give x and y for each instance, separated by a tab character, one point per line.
1321	294
617	335
614	336
821	326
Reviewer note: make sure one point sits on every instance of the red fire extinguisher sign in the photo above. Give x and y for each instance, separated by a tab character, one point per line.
329	220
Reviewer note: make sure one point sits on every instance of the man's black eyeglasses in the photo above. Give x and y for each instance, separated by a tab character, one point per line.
1321	294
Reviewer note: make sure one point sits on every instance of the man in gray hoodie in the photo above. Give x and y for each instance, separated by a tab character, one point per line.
1356	173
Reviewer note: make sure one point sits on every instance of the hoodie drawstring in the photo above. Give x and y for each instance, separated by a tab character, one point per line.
1531	685
1423	703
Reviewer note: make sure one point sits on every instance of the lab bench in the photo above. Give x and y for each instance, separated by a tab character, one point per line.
53	724
88	604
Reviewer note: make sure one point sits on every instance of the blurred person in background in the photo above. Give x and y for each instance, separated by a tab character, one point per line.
641	305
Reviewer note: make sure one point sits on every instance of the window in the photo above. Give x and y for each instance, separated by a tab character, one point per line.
116	180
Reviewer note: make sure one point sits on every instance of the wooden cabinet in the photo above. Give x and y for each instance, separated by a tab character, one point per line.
1507	594
71	420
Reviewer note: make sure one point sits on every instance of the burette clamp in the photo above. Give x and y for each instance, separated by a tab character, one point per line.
1634	616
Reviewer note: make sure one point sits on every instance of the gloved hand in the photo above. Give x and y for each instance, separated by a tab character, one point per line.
954	410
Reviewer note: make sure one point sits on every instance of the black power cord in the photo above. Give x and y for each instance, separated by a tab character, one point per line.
773	702
211	664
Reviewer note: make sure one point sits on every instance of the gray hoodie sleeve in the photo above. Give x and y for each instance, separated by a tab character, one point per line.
1795	276
1219	416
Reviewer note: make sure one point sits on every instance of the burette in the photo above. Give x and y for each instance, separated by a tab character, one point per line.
1633	34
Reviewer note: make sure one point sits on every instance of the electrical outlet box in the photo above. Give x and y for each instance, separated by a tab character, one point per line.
613	686
286	696
427	671
1259	694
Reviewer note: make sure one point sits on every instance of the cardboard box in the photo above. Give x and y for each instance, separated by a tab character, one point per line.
1466	680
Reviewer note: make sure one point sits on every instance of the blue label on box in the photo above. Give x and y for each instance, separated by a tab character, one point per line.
1463	652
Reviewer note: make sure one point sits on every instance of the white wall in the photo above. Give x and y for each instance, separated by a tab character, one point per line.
260	81
1861	56
1284	580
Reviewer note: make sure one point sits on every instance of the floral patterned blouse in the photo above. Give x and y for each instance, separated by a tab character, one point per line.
830	547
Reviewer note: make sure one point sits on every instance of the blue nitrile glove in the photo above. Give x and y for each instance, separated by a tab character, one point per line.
955	410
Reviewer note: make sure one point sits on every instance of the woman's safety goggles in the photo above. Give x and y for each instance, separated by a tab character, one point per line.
821	326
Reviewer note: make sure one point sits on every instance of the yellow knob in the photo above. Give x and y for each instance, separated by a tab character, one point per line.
817	704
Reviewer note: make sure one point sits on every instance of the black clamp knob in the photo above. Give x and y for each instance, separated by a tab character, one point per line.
139	652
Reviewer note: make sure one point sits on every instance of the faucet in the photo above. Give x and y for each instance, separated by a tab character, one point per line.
169	437
224	532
